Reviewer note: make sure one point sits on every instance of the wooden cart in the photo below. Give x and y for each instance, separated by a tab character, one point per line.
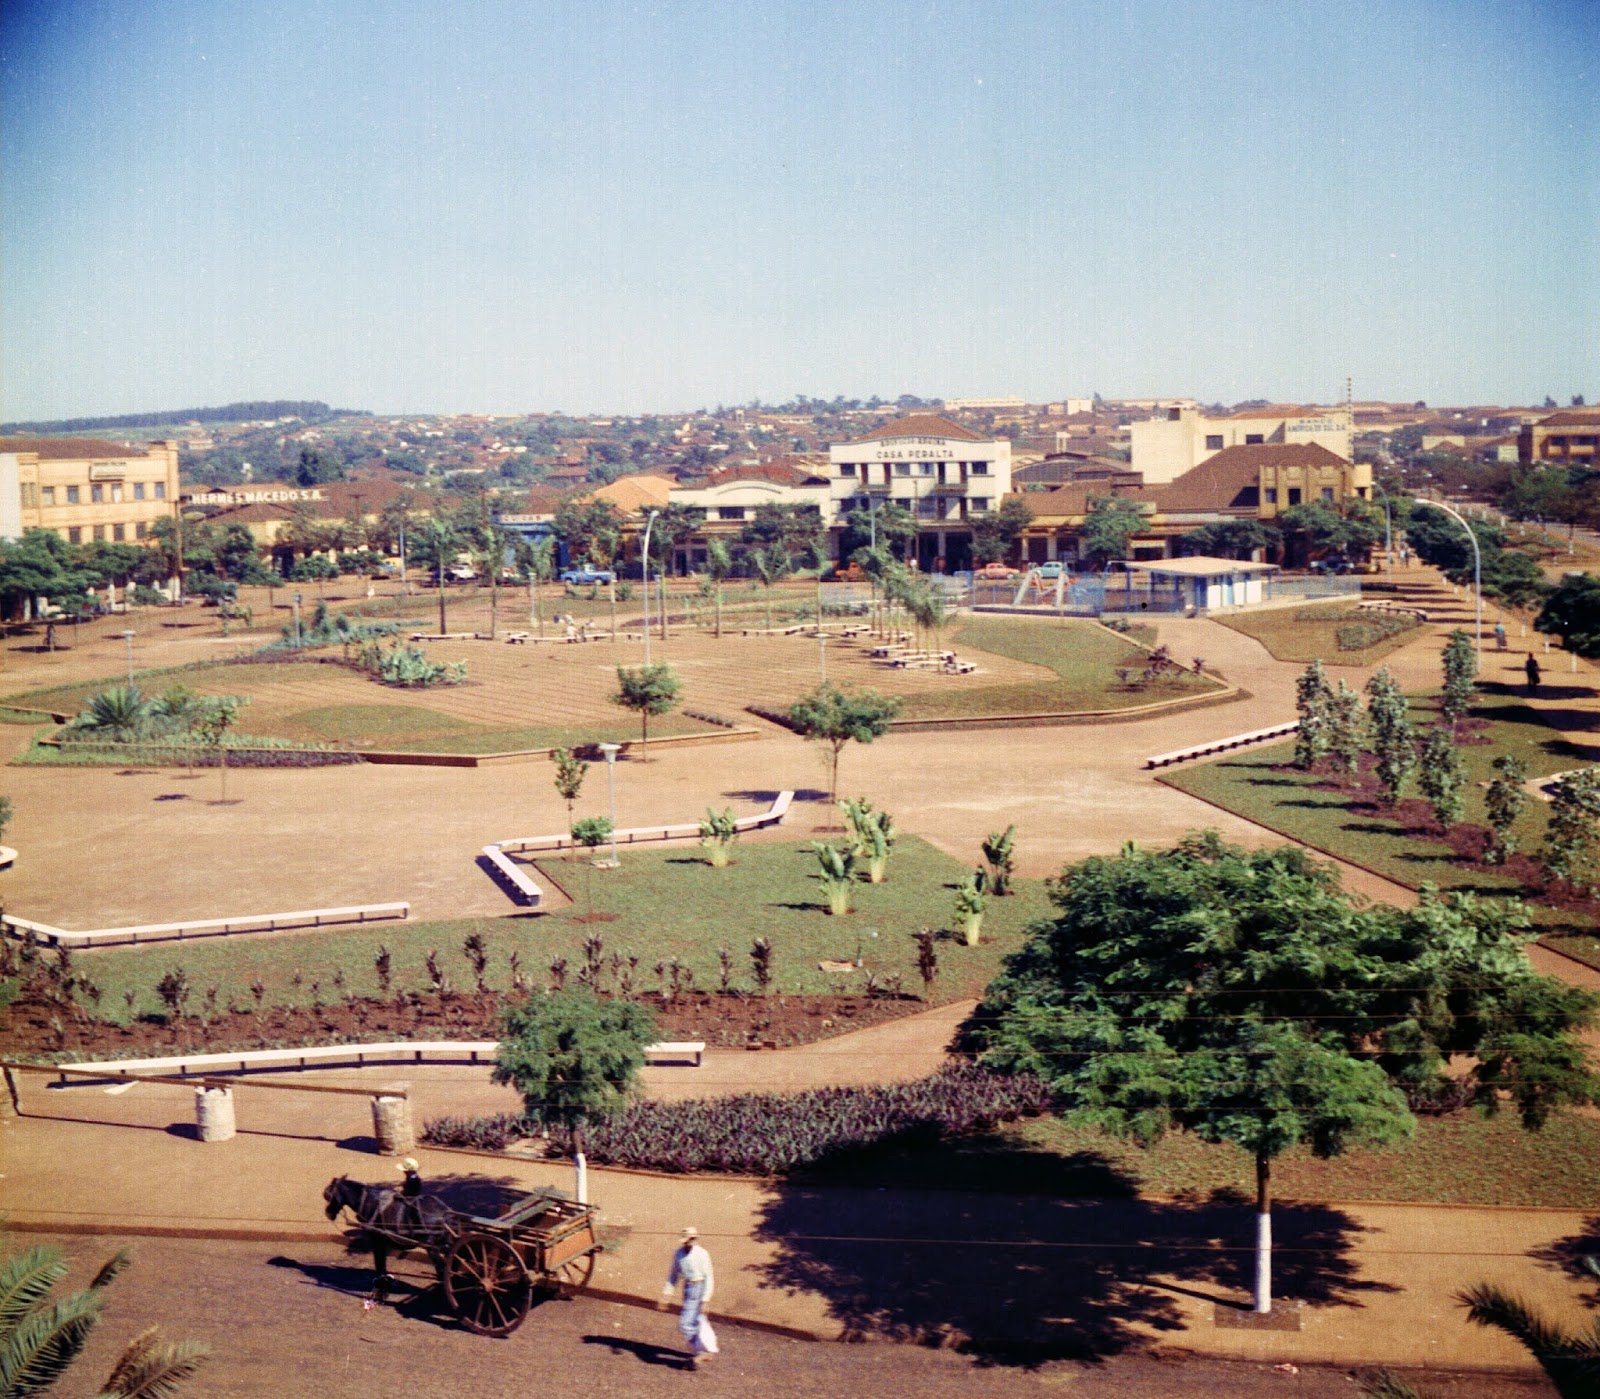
491	1267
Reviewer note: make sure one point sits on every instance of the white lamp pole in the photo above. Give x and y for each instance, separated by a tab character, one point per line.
1477	579
611	750
649	524
128	637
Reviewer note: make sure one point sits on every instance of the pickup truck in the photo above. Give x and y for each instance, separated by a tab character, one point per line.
587	573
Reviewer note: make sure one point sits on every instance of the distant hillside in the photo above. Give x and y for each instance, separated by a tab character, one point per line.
228	413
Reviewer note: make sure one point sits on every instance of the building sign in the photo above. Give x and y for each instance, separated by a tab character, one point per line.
252	497
107	471
913	454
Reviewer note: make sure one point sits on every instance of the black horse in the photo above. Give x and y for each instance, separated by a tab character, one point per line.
389	1222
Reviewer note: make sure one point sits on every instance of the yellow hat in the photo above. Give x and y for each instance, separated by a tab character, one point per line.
691	1233
408	1163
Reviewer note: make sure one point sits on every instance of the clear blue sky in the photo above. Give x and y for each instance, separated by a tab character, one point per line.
604	206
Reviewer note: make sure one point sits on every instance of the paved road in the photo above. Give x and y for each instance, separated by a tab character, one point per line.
299	1312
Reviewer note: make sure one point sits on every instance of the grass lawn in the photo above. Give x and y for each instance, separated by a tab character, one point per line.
1310	633
668	903
1465	1159
1083	656
1264	788
416	729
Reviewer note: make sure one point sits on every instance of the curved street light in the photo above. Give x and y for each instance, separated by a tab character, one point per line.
1477	578
649	524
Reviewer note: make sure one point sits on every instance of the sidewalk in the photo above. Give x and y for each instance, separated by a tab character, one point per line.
1036	1272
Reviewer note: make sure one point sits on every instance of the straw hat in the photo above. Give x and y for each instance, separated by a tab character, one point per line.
407	1164
691	1233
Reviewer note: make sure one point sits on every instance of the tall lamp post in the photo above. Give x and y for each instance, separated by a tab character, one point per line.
1477	579
649	524
611	750
128	637
1388	529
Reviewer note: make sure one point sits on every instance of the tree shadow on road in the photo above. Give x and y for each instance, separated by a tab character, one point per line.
1022	1279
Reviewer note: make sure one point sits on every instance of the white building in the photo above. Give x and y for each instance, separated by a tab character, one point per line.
1178	441
946	475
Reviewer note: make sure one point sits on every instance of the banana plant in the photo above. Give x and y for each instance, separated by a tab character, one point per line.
838	877
872	834
970	903
717	835
997	851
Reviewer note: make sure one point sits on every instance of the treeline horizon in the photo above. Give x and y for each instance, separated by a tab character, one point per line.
308	409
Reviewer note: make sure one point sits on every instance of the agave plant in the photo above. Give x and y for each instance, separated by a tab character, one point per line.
120	713
717	834
838	877
970	902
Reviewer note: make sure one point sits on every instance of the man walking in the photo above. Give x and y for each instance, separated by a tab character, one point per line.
1531	669
691	1266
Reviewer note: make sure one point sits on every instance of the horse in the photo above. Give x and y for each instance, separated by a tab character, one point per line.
388	1221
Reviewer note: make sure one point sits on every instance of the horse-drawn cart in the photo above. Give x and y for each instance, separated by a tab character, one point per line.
489	1266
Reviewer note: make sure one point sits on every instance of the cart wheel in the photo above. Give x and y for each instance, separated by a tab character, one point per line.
487	1284
571	1277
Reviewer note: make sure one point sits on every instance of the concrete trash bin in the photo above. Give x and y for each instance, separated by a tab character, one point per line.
213	1114
391	1125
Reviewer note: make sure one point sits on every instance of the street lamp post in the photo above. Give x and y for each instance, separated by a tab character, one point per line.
649	524
297	621
1388	530
611	750
1477	578
128	637
822	649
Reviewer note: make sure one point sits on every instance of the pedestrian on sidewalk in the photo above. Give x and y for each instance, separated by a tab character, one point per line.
1500	636
691	1266
1531	666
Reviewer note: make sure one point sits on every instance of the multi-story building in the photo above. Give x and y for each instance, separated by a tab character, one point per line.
728	499
1165	447
1568	438
86	489
946	475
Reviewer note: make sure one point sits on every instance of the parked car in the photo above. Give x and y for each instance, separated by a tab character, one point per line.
1050	570
996	570
461	573
850	573
583	574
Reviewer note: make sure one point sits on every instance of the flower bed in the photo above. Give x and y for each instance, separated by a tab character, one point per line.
770	1133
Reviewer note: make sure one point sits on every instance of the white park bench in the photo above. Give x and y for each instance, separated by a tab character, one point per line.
1221	745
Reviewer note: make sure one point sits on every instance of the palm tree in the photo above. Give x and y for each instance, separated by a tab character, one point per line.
1571	1359
120	713
40	1340
770	564
539	557
719	564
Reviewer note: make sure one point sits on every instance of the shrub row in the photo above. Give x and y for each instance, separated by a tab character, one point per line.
770	1133
1357	636
81	754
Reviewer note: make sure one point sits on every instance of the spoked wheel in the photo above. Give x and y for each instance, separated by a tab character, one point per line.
487	1284
570	1278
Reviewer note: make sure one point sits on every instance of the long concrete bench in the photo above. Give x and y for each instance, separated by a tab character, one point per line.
321	1056
203	927
519	880
1221	745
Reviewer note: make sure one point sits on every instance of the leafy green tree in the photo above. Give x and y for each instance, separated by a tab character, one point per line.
999	855
212	724
647	689
1572	612
591	530
994	536
1243	997
1439	540
318	466
40	565
1346	729
1348	531
1111	523
1232	539
718	565
1570	835
591	833
1394	740
1460	678
570	772
41	1339
436	544
572	1056
835	717
1440	778
1503	803
1312	699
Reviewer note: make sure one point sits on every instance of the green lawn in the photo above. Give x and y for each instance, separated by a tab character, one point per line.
1262	787
1310	633
416	729
668	903
1083	656
1465	1160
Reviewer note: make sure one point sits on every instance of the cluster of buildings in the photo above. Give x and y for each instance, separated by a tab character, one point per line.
1182	468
